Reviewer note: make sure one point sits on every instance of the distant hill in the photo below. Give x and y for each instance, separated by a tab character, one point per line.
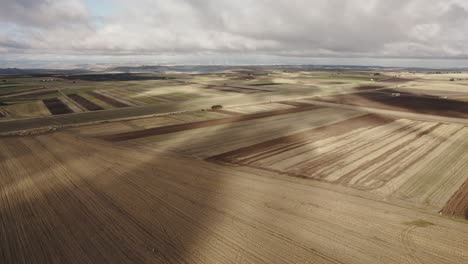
205	69
16	71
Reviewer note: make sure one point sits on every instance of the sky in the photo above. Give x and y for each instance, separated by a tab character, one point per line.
70	32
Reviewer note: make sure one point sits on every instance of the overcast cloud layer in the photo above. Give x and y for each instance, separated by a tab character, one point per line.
343	28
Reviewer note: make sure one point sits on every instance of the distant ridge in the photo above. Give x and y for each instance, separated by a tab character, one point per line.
213	68
16	71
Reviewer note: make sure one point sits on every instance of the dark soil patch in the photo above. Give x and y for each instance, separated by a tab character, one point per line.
57	107
458	204
406	101
395	80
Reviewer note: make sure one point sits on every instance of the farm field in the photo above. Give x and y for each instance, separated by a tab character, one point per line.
237	166
196	216
404	100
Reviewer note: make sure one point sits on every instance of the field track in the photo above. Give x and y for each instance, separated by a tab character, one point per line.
92	202
201	124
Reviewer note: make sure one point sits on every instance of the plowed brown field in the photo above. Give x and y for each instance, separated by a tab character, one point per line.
424	162
408	102
92	202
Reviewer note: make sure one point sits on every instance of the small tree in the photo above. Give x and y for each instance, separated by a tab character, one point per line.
216	107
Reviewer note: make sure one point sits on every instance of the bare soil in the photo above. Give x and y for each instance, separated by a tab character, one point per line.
458	204
405	102
395	80
57	107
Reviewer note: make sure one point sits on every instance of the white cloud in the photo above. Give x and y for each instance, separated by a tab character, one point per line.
399	28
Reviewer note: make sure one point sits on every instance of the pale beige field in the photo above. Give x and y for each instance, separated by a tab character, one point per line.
31	109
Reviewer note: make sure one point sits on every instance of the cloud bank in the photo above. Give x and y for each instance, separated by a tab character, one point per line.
341	28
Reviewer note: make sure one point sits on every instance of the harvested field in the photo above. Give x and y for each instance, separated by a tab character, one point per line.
153	122
458	204
226	112
95	203
395	80
405	102
261	108
295	103
422	162
5	90
96	101
236	89
109	100
30	109
85	102
100	130
368	87
33	95
57	107
294	181
264	84
199	116
122	95
105	129
209	141
201	124
178	97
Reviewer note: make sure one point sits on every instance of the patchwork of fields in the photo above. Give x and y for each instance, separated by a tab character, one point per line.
424	162
138	205
286	167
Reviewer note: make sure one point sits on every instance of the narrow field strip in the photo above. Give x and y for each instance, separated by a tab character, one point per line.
85	102
255	152
201	124
210	141
109	100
